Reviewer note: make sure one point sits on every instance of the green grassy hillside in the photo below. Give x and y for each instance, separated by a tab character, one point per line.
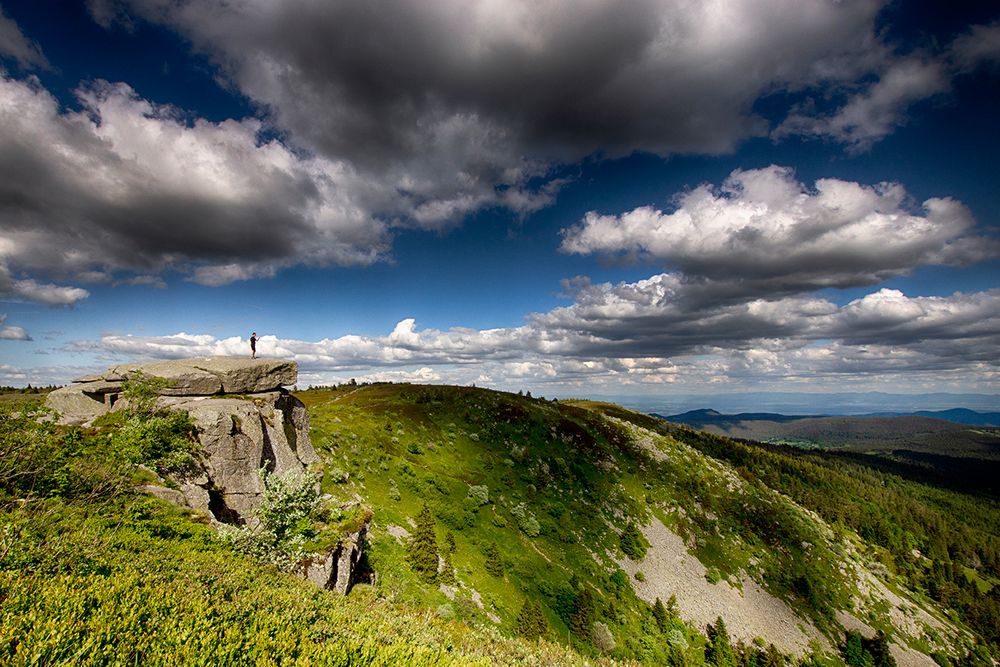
567	484
592	532
94	573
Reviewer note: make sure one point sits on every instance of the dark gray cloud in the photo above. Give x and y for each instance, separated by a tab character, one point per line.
877	110
980	45
29	289
400	114
127	186
13	44
889	317
488	93
874	106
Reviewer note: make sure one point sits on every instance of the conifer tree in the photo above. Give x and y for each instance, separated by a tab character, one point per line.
583	614
879	649
494	560
773	657
423	547
854	652
531	622
719	651
660	614
447	573
676	657
633	543
449	541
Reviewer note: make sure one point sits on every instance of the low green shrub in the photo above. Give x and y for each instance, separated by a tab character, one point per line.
633	543
526	521
284	521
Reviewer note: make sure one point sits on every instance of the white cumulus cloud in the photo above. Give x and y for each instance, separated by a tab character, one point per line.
639	334
764	233
12	332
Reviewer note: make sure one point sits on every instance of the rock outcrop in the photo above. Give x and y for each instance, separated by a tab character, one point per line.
244	418
91	396
335	569
238	437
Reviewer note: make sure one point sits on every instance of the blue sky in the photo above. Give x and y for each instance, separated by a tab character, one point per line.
650	199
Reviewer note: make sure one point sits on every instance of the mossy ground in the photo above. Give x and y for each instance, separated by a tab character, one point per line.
94	573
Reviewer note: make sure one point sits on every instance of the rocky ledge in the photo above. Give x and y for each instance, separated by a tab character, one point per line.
245	421
91	396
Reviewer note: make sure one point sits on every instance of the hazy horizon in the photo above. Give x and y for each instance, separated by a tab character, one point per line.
790	403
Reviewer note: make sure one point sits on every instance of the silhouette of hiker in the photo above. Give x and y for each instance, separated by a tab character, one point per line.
253	345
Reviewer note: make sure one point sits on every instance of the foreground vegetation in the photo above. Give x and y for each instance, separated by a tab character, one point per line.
92	573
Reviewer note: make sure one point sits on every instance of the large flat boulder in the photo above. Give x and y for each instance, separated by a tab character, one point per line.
92	395
185	377
74	405
244	420
205	376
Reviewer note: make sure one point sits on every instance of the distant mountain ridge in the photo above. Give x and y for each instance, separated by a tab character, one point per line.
957	448
707	416
955	415
807	403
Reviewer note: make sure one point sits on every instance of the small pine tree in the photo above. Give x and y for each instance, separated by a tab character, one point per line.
773	657
423	547
447	573
719	651
583	614
531	622
633	543
676	657
494	560
449	542
879	649
854	652
660	614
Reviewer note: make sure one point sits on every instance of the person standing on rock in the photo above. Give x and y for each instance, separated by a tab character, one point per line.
253	345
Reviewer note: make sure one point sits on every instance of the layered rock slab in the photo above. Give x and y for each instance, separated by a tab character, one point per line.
262	426
245	421
203	376
91	396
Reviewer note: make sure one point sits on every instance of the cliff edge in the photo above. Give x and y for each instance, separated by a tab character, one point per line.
245	421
